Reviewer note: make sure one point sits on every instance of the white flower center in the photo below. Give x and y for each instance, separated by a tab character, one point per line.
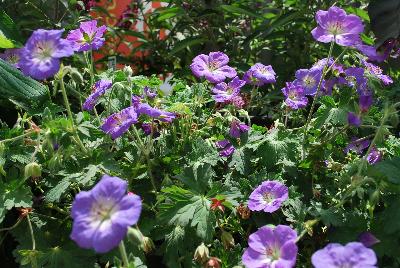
309	81
336	28
44	50
103	209
213	65
273	253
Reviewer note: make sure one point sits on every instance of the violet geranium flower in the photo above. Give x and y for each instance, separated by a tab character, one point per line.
353	254
118	123
224	92
99	88
357	146
295	97
365	101
374	156
308	79
335	25
353	119
87	37
12	56
237	128
260	74
268	196
377	72
40	58
145	108
103	214
368	239
213	67
226	146
271	247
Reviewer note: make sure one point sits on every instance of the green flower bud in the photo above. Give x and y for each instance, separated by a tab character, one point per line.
227	240
201	255
135	236
148	244
33	170
128	70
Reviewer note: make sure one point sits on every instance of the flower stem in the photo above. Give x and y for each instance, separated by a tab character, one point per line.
18	137
31	232
124	256
315	97
68	107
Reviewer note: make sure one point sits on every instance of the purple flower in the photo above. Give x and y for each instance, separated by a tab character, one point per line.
324	62
355	76
365	101
99	88
40	58
368	239
227	147
161	115
268	196
118	123
373	54
226	92
146	128
353	119
336	25
308	79
87	37
271	247
213	67
102	215
260	74
374	156
295	97
357	146
353	254
12	56
145	108
237	128
237	101
149	93
376	71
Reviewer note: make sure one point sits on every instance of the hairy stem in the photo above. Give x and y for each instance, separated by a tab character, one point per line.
123	253
314	99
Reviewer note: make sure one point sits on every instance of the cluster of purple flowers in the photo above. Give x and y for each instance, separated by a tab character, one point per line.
118	123
103	214
41	56
99	89
214	67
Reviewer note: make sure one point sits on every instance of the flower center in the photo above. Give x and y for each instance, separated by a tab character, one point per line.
268	197
44	50
13	58
292	95
335	28
273	253
88	38
309	81
213	65
103	209
119	119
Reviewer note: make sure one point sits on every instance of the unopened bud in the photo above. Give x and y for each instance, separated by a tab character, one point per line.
128	70
148	244
213	262
227	240
33	170
243	211
201	254
135	236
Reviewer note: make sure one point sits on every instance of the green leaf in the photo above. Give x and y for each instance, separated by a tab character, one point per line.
14	194
17	86
239	11
238	161
183	207
188	42
390	168
330	115
197	177
9	34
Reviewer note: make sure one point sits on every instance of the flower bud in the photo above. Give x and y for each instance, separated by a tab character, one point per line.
128	70
227	240
135	236
213	262
33	170
148	244
243	211
201	254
